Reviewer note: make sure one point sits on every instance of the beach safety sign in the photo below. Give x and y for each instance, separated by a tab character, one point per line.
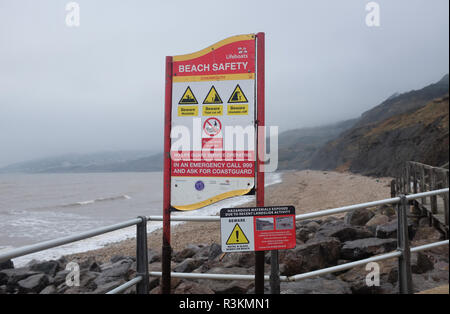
212	90
257	228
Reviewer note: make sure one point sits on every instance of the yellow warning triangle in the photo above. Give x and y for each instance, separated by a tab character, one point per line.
188	98
212	97
237	236
237	96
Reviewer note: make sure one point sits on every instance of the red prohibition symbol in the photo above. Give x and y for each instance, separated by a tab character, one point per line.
212	126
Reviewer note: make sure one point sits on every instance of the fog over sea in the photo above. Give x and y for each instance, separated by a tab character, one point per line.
39	207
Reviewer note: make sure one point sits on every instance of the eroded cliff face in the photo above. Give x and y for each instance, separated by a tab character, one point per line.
408	126
381	148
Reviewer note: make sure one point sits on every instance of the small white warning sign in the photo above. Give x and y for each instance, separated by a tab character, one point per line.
257	228
237	234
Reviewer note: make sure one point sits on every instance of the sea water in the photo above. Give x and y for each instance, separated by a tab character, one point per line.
40	207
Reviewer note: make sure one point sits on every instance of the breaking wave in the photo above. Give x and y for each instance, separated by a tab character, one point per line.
97	200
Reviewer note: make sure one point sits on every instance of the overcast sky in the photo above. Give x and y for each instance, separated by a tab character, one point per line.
100	86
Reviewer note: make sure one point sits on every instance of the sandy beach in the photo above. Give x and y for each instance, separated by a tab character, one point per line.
307	190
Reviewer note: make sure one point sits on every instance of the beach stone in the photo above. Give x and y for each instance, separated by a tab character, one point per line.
331	221
190	287
430	234
60	277
313	226
344	232
87	280
439	275
423	282
6	265
266	289
187	265
203	253
356	278
48	267
358	217
114	259
378	219
317	254
49	290
316	286
187	252
421	263
69	290
245	259
10	277
304	223
208	254
62	262
106	287
153	256
389	230
424	222
227	286
95	267
157	266
304	233
214	251
119	270
387	210
233	287
91	264
363	248
33	284
153	282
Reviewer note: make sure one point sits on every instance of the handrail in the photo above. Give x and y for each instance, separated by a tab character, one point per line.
302	276
126	285
140	222
41	246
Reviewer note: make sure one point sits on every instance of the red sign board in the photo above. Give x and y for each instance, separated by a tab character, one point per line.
258	228
213	97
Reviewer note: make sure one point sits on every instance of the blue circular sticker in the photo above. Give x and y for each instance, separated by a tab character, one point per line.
199	185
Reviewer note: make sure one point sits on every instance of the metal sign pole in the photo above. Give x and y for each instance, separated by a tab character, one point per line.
166	248
260	121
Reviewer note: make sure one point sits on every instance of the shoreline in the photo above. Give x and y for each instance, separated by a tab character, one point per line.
129	234
306	190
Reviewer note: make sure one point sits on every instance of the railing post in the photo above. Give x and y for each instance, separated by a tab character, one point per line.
393	184
445	196
142	256
274	273
415	188
404	261
408	178
423	183
415	179
433	199
166	253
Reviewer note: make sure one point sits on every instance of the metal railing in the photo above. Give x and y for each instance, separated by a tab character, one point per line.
403	252
141	250
416	177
